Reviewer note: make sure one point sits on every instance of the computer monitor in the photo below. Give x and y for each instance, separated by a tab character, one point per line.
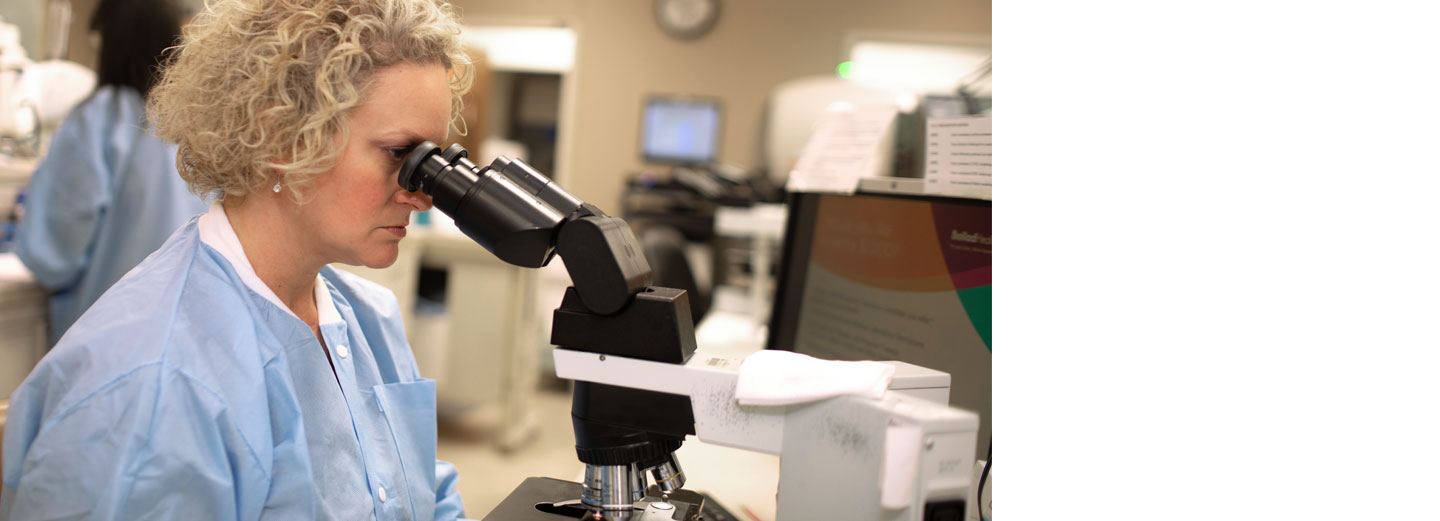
680	130
882	276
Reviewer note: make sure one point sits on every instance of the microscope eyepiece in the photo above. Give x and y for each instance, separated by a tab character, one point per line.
518	214
409	180
453	152
487	206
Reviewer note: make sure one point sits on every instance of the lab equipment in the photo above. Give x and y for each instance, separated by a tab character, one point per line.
641	387
902	457
794	107
680	130
35	96
19	132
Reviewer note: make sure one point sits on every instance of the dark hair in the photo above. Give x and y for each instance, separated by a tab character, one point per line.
134	35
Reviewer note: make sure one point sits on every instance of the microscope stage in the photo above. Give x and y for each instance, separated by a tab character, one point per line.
536	500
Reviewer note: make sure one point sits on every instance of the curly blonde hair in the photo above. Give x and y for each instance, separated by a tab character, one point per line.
259	87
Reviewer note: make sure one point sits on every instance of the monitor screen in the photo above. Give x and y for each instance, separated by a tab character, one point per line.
680	130
890	277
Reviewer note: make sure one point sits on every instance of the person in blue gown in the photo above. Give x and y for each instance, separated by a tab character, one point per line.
107	193
234	374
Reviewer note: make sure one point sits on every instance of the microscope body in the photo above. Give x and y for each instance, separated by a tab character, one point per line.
641	387
522	218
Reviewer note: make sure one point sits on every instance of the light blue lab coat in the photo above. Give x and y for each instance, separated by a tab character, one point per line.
106	195
183	393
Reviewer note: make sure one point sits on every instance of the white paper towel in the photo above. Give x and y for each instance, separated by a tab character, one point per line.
771	377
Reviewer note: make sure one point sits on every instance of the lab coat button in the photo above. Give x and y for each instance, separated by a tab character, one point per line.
382	494
343	351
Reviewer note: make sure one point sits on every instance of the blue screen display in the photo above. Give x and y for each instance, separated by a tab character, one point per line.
680	131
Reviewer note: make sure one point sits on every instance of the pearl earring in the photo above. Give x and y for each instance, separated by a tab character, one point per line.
276	189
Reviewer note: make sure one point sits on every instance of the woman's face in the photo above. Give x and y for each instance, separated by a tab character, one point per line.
359	212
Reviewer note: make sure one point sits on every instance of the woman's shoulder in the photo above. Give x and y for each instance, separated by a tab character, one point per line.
180	307
183	279
172	331
131	405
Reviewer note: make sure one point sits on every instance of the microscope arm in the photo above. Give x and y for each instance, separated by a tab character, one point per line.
707	381
843	458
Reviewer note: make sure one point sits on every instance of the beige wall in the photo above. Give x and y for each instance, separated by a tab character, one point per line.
756	45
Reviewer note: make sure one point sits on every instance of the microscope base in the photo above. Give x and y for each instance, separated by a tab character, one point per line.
548	499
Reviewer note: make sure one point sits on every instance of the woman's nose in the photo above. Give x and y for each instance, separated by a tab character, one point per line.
417	200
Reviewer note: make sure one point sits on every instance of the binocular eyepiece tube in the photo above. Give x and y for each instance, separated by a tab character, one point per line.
508	207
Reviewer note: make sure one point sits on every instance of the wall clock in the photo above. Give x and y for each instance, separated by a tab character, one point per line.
686	19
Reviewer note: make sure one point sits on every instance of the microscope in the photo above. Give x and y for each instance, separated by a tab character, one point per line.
641	387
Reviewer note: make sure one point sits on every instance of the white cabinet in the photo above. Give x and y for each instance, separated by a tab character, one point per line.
24	314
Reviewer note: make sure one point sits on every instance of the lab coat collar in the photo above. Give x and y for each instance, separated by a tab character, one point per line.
215	230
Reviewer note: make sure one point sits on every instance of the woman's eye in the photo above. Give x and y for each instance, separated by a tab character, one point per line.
398	153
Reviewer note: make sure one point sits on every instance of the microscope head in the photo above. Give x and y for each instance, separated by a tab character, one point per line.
499	211
517	214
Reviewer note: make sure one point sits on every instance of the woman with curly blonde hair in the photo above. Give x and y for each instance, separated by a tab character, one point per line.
234	375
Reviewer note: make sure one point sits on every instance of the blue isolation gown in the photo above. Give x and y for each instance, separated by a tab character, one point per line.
189	392
106	195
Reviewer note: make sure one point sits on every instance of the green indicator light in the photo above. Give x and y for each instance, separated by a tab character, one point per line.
843	70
